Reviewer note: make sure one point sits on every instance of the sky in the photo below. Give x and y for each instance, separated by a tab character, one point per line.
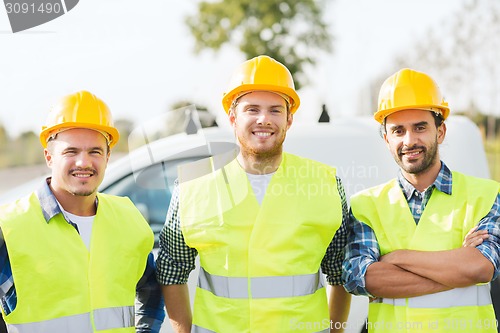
138	56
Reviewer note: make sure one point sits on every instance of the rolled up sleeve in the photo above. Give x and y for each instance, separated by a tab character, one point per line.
361	251
490	247
175	258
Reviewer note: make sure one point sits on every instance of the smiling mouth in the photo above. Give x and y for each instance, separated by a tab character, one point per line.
413	153
262	134
82	174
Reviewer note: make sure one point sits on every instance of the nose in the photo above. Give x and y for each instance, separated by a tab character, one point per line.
410	139
263	119
83	160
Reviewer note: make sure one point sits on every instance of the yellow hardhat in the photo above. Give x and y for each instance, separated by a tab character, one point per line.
409	89
261	73
80	110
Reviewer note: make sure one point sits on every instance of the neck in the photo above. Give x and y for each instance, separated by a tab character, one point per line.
259	165
77	205
423	180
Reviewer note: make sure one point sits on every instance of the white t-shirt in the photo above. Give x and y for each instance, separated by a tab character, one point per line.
84	224
259	184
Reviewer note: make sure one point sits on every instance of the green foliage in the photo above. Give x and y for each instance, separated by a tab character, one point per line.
492	148
124	127
290	31
25	150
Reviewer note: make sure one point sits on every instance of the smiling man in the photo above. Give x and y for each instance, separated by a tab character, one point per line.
73	259
265	225
423	246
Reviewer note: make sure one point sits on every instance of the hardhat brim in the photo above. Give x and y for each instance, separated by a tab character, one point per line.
228	98
113	132
379	116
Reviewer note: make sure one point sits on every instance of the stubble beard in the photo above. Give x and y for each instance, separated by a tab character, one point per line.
262	157
430	156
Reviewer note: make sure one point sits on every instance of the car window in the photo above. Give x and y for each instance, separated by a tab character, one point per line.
150	189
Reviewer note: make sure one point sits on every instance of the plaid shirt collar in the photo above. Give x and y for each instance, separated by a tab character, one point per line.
442	182
48	201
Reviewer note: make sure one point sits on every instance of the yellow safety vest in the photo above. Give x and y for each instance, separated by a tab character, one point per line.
443	226
260	264
61	286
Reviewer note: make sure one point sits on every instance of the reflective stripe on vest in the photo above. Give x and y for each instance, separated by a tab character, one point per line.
198	329
74	324
104	319
469	296
261	287
118	317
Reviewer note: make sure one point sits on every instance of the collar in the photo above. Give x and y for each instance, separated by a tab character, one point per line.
442	182
48	201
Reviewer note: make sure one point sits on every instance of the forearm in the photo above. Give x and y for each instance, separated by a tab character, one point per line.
339	304
456	268
149	307
390	281
178	307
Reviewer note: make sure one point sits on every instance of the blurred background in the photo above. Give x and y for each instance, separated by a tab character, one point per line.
150	57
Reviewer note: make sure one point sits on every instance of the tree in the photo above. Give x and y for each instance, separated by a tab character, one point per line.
291	31
463	57
124	127
26	150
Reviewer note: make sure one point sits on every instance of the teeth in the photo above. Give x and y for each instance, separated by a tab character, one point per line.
264	134
82	175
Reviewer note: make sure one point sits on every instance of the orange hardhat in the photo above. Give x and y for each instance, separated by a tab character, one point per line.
409	89
80	110
261	73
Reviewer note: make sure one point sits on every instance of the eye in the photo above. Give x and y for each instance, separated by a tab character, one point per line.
420	128
398	131
69	152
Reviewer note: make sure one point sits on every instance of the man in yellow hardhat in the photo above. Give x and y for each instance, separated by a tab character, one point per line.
425	245
72	258
265	225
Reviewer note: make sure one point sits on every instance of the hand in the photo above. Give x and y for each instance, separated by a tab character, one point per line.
475	237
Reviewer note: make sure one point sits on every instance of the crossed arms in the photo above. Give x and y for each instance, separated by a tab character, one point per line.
409	273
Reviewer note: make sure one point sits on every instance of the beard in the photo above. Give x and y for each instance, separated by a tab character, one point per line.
250	150
83	193
429	159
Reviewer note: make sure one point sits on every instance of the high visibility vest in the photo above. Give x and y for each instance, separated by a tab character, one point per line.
61	286
443	226
260	264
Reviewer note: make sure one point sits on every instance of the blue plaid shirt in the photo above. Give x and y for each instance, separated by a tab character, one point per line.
176	259
363	249
149	306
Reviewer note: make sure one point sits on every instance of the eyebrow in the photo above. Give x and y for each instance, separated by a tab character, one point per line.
80	149
260	106
421	123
